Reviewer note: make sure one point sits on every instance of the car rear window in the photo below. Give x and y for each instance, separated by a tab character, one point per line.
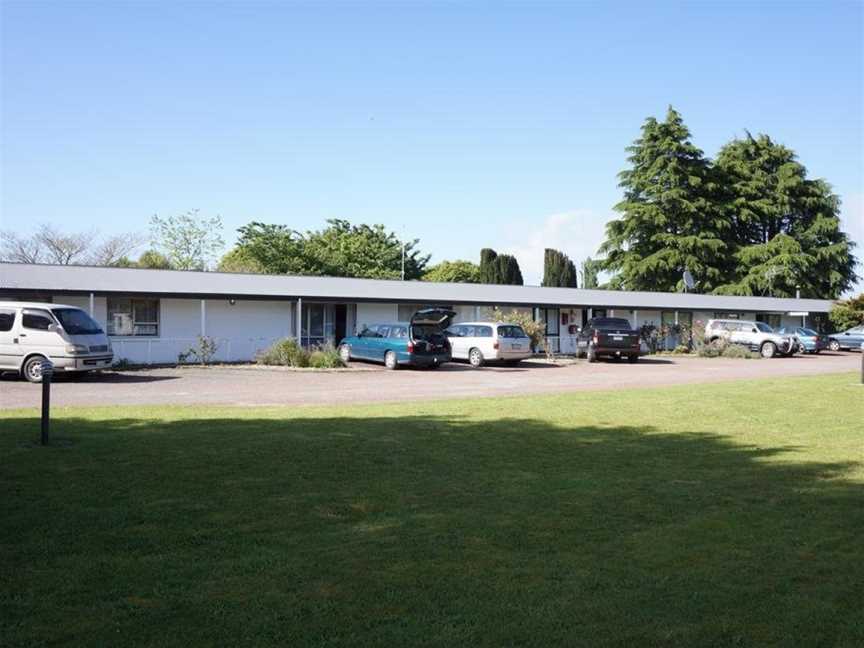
511	332
610	323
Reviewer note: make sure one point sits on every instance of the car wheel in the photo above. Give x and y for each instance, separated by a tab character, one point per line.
834	345
591	354
32	369
768	350
345	353
475	358
633	359
390	360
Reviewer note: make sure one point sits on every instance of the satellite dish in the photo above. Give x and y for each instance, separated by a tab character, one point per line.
689	282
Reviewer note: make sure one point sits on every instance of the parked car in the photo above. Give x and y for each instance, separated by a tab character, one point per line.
809	341
847	340
757	336
481	342
612	337
31	332
418	343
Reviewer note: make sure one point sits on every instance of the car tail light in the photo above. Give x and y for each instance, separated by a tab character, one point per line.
596	339
410	347
495	345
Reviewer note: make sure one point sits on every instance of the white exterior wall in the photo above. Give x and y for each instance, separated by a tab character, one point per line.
369	313
240	330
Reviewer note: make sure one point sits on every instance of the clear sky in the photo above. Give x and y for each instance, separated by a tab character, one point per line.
464	124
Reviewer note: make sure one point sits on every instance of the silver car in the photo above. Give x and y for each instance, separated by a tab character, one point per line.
757	336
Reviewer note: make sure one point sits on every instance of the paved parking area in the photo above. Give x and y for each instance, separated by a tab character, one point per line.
236	386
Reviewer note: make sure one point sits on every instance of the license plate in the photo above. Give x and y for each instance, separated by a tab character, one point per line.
617	338
515	346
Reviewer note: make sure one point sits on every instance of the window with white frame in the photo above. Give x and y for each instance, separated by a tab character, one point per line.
133	317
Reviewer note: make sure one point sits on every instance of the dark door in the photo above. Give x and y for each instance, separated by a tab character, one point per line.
341	322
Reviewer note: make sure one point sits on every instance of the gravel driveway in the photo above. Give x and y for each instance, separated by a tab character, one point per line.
236	386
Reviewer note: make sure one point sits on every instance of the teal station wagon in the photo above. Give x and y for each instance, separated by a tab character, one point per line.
418	343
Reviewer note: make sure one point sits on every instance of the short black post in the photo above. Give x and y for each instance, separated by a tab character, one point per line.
47	373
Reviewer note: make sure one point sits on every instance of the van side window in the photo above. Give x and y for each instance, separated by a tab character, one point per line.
483	331
7	319
37	319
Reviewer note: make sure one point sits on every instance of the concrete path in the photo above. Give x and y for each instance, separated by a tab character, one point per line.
234	386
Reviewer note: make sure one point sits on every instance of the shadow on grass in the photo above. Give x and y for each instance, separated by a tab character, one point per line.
422	530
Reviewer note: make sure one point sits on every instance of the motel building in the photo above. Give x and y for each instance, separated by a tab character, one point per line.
154	315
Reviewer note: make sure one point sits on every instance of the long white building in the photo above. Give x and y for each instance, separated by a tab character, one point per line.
154	315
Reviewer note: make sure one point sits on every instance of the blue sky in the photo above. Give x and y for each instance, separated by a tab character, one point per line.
465	124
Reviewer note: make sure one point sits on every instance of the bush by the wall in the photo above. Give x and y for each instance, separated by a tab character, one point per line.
285	353
325	358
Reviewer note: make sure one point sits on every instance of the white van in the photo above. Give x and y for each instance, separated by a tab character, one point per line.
479	342
66	335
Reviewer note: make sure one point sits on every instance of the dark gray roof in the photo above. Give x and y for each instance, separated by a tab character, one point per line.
100	280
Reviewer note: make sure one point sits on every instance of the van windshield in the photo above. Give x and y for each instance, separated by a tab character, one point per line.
76	322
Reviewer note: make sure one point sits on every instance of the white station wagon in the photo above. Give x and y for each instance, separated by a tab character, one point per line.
480	342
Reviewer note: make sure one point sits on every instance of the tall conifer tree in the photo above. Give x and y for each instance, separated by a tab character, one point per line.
785	231
669	221
558	270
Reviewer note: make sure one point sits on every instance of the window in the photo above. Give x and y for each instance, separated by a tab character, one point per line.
38	320
383	331
7	319
399	332
727	316
770	319
139	317
511	332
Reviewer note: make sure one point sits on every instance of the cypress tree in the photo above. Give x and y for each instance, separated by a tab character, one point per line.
488	266
507	270
558	270
669	221
785	230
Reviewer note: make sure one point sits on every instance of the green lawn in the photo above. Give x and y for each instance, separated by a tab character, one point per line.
689	516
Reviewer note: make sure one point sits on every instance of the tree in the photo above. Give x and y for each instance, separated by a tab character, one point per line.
488	267
590	272
508	271
276	248
116	248
369	251
153	260
558	270
848	313
338	250
453	272
239	260
189	241
51	245
669	219
785	228
534	329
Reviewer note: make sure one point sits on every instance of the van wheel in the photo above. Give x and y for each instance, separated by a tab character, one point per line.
32	369
768	350
345	353
390	360
591	354
475	358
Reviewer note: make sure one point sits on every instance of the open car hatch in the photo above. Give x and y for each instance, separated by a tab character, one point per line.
437	317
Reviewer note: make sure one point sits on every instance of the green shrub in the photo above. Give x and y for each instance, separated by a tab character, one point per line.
284	353
681	349
723	349
325	358
738	351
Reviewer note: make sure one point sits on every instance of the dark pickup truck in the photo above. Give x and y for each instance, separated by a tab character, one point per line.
611	337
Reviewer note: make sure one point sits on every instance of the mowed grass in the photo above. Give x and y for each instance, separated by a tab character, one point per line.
724	515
